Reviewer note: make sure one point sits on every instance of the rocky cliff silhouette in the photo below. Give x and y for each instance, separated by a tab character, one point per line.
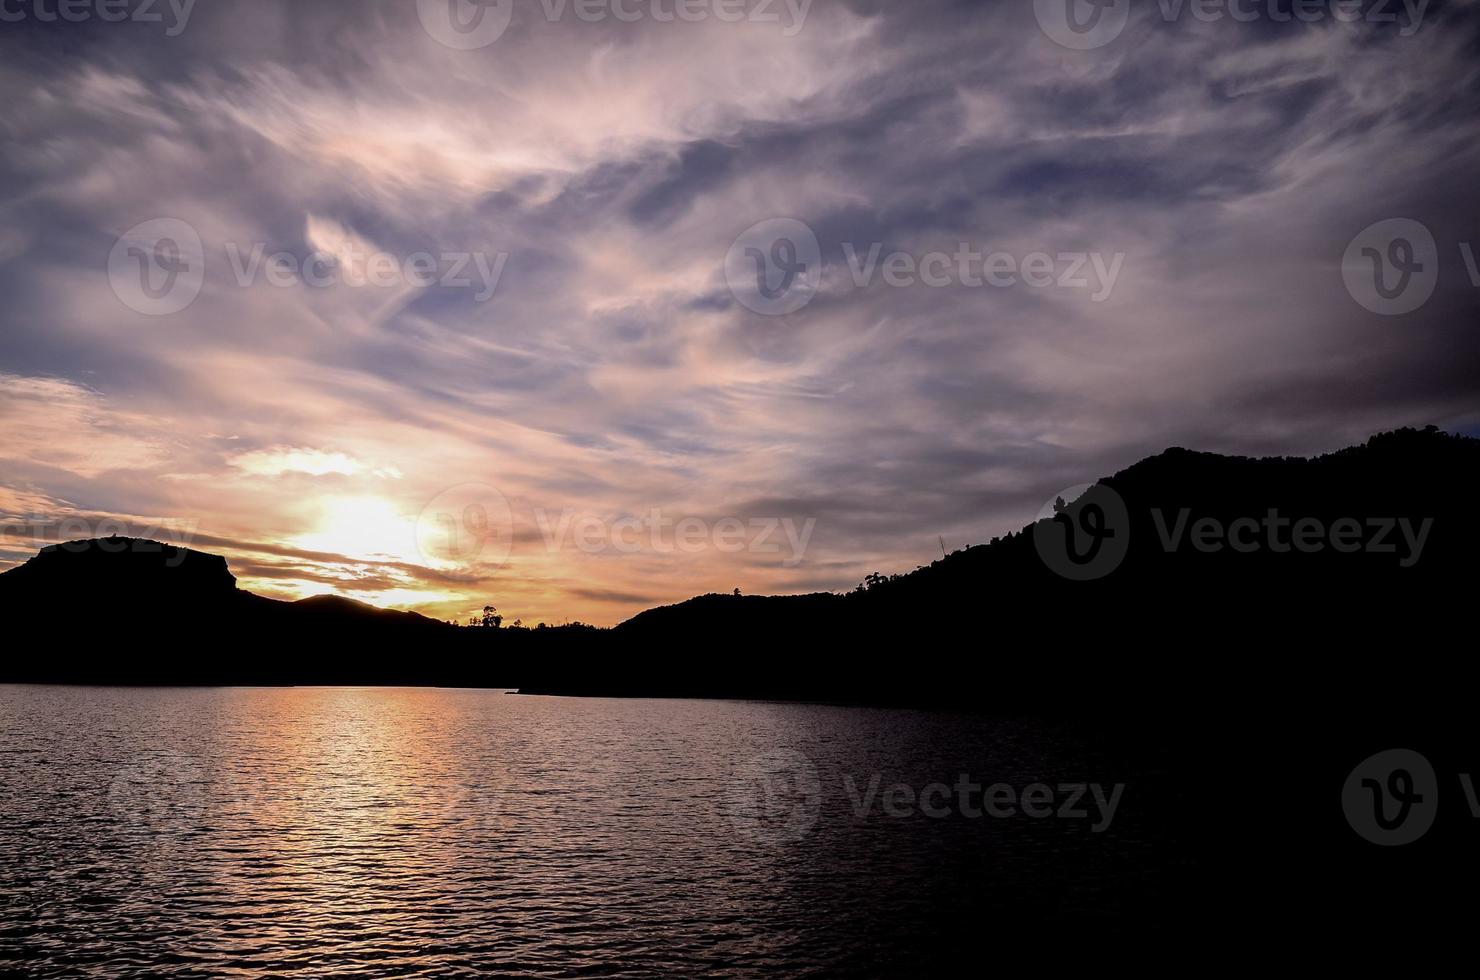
132	611
1185	565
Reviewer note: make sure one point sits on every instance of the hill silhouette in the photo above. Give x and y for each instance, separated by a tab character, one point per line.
1185	565
133	611
1171	604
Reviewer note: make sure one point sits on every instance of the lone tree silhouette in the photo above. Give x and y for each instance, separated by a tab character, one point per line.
489	620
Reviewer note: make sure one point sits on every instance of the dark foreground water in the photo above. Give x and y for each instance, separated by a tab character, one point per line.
398	832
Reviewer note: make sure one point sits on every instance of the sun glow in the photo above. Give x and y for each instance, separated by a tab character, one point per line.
370	528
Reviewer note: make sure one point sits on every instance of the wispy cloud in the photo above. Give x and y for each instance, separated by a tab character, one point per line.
613	372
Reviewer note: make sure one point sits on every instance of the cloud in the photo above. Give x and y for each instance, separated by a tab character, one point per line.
56	424
612	371
315	462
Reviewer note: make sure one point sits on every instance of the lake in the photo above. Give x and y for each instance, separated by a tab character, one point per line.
411	832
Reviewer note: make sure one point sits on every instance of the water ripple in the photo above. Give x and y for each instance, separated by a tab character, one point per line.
372	833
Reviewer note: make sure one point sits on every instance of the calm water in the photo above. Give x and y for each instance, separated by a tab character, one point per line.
354	832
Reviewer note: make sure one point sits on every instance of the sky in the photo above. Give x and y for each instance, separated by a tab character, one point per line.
593	306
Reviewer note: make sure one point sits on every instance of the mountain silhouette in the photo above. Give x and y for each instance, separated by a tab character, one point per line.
132	611
1185	565
120	583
